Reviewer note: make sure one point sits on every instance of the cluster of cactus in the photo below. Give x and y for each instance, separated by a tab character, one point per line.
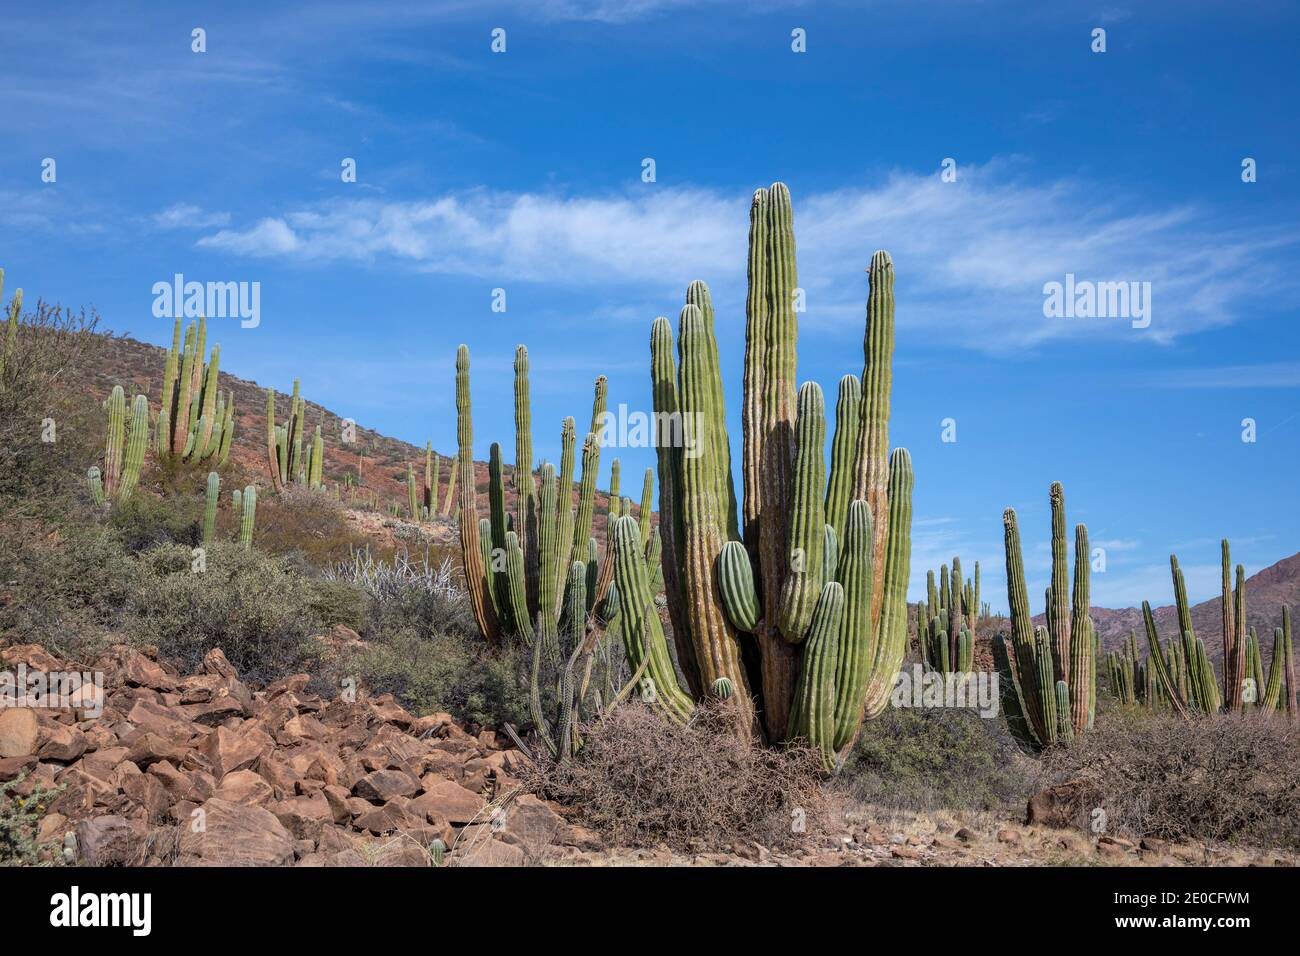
243	503
517	563
946	620
284	445
427	501
1048	675
196	422
123	449
1182	667
797	604
536	573
422	501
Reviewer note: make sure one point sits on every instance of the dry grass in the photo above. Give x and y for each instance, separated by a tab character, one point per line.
642	780
1221	778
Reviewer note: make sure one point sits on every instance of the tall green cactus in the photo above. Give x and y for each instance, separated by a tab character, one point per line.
210	507
1048	674
123	449
195	421
284	445
946	620
802	535
249	517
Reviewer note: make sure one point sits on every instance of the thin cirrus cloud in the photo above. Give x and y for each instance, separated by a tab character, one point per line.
971	256
187	216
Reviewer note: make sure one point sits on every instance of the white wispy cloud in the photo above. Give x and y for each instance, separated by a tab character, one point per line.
188	216
1261	375
971	256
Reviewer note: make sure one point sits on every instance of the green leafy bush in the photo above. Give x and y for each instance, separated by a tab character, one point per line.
928	758
260	610
20	818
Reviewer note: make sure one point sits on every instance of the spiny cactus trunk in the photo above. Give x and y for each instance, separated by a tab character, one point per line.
471	551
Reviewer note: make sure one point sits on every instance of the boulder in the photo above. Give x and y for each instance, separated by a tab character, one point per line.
234	834
230	750
381	786
107	841
450	800
20	732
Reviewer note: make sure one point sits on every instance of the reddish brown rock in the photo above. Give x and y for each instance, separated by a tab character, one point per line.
390	817
530	824
381	786
61	743
232	834
19	732
107	841
487	853
230	750
303	816
244	787
11	767
451	800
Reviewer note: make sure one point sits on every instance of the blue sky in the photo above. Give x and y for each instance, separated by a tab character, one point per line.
522	171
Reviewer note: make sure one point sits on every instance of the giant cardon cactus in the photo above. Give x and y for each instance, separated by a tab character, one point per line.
1048	675
797	602
196	422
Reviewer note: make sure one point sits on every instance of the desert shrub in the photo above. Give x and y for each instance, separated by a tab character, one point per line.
65	589
641	779
20	817
1221	778
419	596
929	758
424	647
307	523
144	522
259	609
54	348
444	673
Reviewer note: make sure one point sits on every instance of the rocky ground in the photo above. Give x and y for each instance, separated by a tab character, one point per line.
203	770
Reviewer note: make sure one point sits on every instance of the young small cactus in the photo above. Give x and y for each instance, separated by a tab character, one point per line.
210	507
249	516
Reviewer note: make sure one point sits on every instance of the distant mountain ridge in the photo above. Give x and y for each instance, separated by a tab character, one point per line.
1267	592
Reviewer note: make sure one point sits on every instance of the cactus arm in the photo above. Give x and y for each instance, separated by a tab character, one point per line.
839	489
138	438
471	551
249	517
736	580
643	634
812	714
668	452
891	640
1163	670
802	585
718	443
857	637
872	466
717	650
1082	673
